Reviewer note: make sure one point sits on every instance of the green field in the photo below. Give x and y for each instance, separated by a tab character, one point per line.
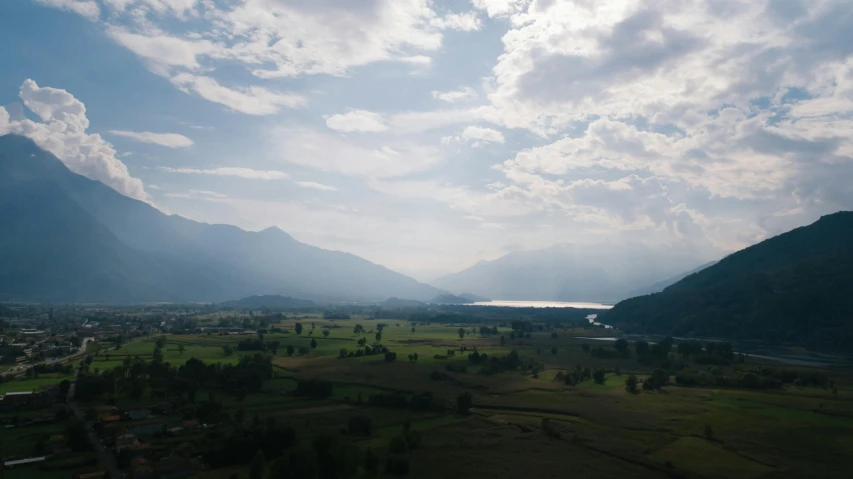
22	384
597	430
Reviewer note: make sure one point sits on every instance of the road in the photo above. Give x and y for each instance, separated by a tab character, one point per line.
106	457
15	371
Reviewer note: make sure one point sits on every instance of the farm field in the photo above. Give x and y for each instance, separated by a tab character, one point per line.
524	421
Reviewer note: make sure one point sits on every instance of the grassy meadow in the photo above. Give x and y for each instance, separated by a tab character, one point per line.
594	430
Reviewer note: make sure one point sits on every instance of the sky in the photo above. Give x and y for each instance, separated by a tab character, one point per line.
428	135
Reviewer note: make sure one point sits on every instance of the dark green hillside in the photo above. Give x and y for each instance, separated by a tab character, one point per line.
796	287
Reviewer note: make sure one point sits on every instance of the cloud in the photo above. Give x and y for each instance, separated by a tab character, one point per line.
62	131
316	186
463	94
163	51
357	120
85	8
245	173
170	140
252	100
371	157
501	8
479	134
465	22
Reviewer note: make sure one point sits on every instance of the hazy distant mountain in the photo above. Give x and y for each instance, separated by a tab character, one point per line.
401	303
272	301
68	238
601	273
795	287
451	299
661	285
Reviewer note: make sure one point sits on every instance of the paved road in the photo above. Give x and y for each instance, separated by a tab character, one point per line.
81	351
106	457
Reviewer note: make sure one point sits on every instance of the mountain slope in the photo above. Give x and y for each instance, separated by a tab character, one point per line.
662	285
601	273
213	262
795	287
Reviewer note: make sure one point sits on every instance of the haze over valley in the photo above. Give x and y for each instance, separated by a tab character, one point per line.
384	239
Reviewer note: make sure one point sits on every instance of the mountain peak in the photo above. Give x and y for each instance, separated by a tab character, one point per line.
276	232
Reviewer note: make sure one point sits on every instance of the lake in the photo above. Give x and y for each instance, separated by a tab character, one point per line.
542	304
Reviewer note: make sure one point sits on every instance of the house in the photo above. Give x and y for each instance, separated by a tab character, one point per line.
137	414
148	428
57	441
141	468
190	424
163	408
104	410
139	450
90	473
124	442
110	419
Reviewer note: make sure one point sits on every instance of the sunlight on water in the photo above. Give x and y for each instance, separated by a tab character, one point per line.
542	304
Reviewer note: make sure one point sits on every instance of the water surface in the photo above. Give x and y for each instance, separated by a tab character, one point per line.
542	304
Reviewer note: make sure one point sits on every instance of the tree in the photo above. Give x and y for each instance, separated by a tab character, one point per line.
326	333
621	346
413	330
181	348
585	347
273	346
298	328
161	342
709	433
554	335
415	355
371	462
461	333
358	329
64	387
554	351
641	348
657	380
256	467
464	402
599	376
503	340
390	356
378	337
290	350
631	383
313	343
228	350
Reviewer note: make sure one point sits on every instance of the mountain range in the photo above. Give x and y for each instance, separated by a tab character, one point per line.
599	273
71	239
796	287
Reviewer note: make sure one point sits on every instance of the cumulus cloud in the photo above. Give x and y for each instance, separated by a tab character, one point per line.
271	38
463	94
62	131
170	140
245	173
466	22
357	120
